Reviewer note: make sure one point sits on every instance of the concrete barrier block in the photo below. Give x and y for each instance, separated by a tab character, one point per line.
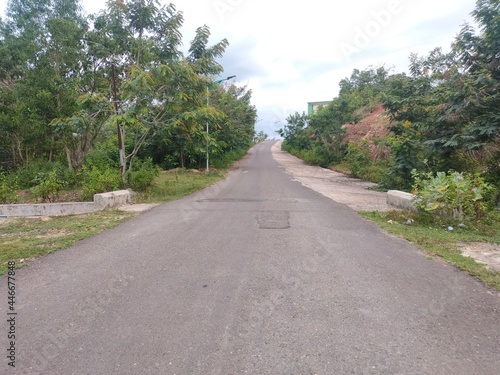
46	209
112	199
401	199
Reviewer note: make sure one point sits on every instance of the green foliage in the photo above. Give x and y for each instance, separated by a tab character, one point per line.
303	142
8	188
97	180
296	134
49	187
62	72
453	196
406	156
202	57
358	158
259	137
103	156
318	155
227	159
361	165
36	170
492	173
319	138
143	176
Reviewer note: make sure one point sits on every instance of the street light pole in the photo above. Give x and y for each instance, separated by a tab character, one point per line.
208	141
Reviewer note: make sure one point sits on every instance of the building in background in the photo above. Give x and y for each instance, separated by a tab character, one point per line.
313	106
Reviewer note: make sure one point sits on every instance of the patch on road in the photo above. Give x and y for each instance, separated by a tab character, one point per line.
274	220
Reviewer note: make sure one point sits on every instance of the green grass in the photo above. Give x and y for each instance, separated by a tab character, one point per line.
436	240
24	239
177	183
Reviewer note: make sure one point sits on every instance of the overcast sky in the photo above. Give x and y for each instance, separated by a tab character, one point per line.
290	53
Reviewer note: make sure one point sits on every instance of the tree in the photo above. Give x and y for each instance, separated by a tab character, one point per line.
296	134
260	137
476	93
202	57
137	40
236	128
41	56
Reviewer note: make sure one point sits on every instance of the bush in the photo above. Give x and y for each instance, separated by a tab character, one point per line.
99	180
492	174
317	155
358	158
452	196
142	178
8	189
49	187
103	157
227	159
32	174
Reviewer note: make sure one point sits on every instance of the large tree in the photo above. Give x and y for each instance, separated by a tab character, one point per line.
41	54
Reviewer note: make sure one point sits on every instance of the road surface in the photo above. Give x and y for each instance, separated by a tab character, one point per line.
255	275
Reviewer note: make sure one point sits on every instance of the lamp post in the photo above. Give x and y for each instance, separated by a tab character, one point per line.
208	141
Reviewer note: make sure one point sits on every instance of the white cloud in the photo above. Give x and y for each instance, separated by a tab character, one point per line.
290	53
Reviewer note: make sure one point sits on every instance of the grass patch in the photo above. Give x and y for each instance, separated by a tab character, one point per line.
436	240
342	167
24	239
177	183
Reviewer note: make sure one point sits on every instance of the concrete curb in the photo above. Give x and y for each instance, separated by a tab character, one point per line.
401	199
112	199
47	209
101	202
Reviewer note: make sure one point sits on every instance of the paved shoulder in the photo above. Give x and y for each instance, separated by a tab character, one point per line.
352	192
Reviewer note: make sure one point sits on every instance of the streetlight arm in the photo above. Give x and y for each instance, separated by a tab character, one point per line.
225	79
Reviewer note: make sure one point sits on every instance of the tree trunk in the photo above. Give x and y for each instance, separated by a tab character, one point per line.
121	135
68	157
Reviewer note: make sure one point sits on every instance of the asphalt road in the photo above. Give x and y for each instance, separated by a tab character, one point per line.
255	275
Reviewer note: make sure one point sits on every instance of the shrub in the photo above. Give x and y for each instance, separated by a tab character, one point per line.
451	195
358	158
144	176
8	189
49	187
492	174
103	157
32	174
227	159
99	180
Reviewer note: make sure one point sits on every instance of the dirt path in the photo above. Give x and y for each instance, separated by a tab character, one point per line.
352	192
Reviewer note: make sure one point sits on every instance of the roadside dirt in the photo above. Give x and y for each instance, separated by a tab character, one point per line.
484	253
137	207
